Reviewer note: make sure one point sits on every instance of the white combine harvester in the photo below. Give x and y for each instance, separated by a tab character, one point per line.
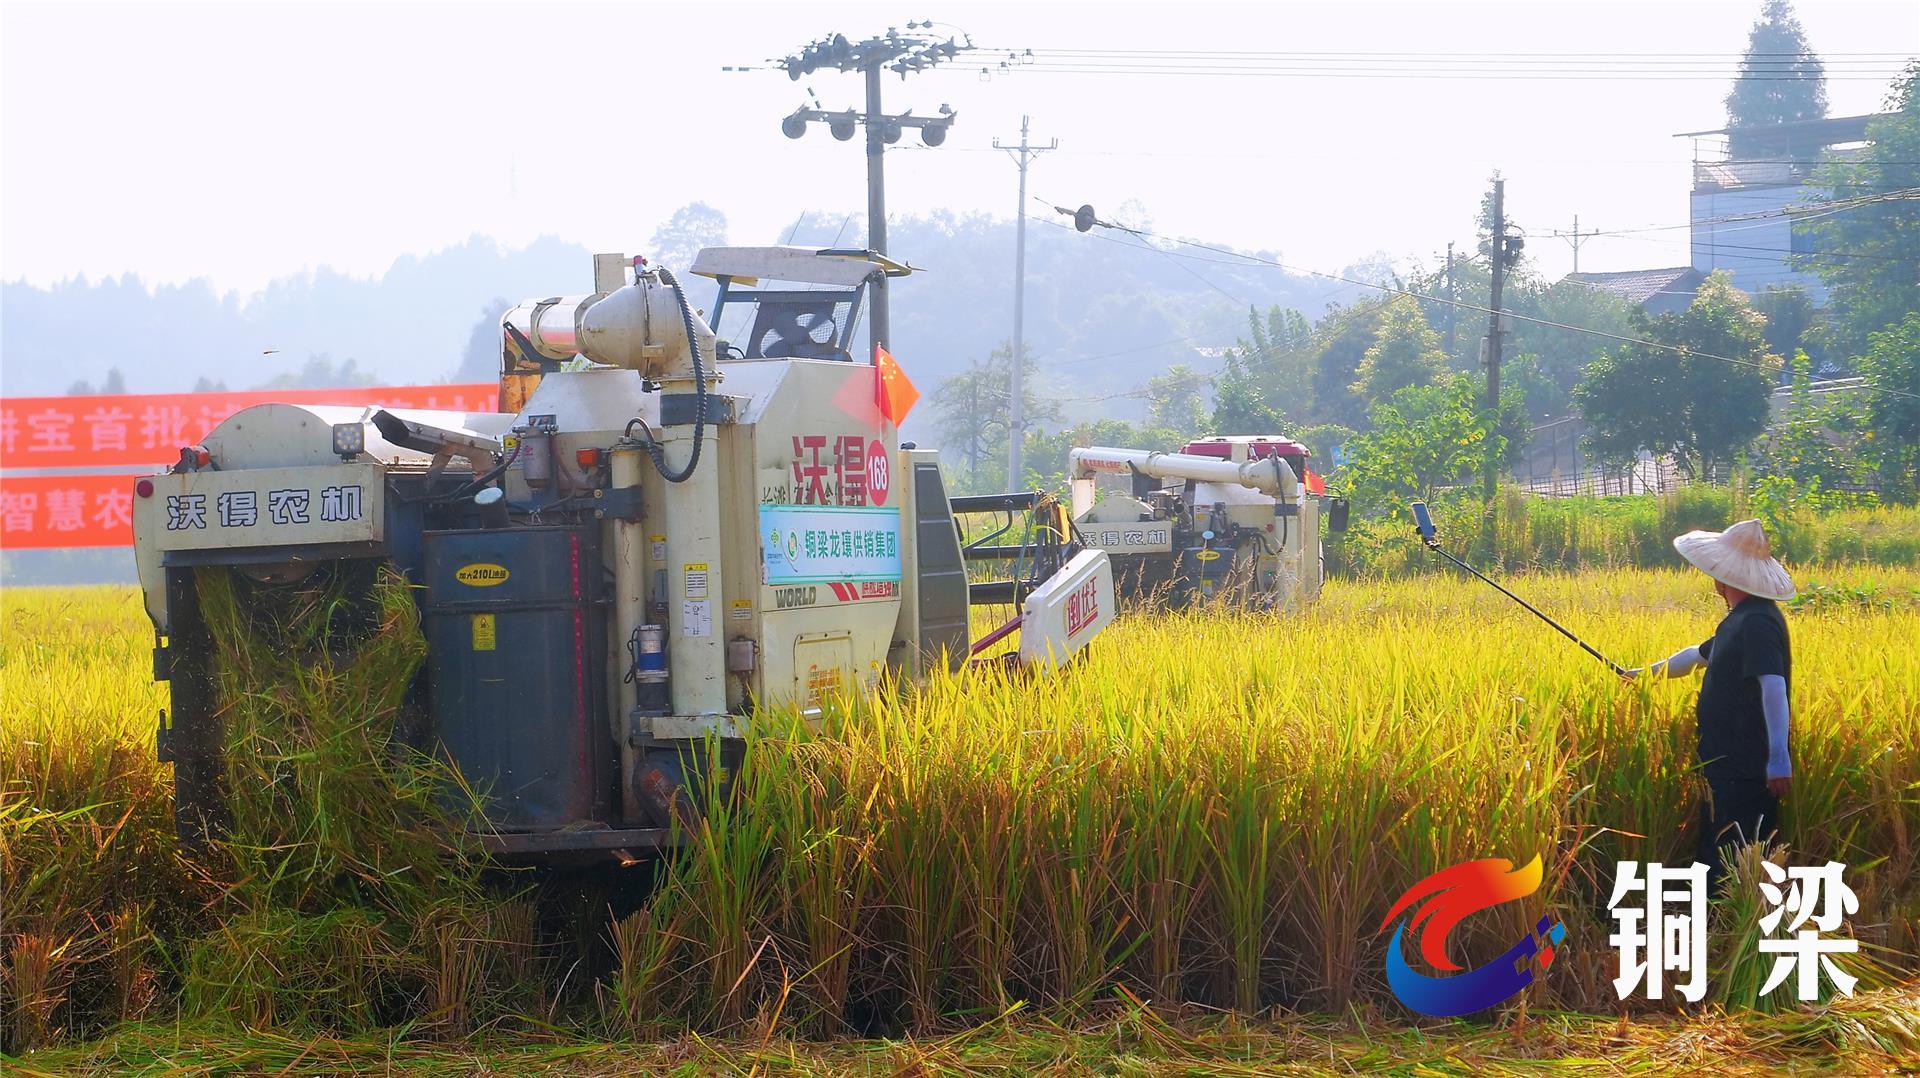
668	532
1237	520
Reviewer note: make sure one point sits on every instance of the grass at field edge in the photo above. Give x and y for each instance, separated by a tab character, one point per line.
1875	1033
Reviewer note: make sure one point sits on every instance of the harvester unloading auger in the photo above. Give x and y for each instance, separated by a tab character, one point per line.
667	532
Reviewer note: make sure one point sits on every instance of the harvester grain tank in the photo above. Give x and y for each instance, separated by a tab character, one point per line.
669	531
1225	516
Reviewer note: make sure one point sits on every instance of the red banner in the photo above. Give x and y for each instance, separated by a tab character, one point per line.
142	432
149	429
39	512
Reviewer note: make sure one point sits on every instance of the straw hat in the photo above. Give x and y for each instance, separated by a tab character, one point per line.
1738	558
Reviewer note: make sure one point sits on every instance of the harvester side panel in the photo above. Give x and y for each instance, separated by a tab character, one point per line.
825	542
937	569
512	619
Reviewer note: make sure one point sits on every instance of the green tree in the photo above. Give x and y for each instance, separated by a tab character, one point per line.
1872	245
1265	376
1794	323
1558	357
480	361
1340	342
114	383
1424	438
1045	452
1472	285
1322	440
1696	391
1815	441
680	237
1892	370
973	411
1176	400
1516	239
1781	80
480	358
320	372
1405	352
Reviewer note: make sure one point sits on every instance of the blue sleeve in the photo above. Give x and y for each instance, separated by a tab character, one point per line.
1773	701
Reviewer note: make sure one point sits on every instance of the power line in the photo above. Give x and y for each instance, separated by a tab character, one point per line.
1142	347
1465	305
1613	66
1799	211
1710	245
1439	73
1850	57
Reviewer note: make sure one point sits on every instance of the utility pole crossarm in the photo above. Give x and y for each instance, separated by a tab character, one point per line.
1574	238
902	54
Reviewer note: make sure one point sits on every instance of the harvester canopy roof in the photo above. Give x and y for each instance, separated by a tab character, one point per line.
809	265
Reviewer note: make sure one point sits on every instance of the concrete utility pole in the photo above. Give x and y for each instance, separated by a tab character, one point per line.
902	54
1450	301
880	321
1493	325
1017	421
1574	238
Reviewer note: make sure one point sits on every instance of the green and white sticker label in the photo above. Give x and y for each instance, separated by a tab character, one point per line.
820	544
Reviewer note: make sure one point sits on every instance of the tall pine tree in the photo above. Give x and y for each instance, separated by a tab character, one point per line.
1781	79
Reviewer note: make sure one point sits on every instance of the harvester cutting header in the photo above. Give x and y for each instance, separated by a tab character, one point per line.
668	531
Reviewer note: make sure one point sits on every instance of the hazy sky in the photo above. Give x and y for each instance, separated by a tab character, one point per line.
241	142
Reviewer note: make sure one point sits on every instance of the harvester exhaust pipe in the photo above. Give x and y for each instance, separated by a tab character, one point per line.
1423	521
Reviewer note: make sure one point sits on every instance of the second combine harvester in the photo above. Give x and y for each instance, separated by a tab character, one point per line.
1227	517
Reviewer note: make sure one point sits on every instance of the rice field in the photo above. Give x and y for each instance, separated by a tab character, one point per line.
1208	816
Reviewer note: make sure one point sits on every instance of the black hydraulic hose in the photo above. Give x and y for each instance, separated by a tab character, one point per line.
476	485
654	449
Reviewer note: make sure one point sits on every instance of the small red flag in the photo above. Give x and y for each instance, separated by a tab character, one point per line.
1316	483
892	391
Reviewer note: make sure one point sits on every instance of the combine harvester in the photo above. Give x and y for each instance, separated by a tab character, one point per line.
1239	522
668	532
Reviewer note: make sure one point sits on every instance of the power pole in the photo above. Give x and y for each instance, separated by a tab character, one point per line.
1493	331
903	54
880	322
1017	421
1450	307
1574	238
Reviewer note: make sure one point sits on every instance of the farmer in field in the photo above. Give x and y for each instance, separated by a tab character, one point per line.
1742	713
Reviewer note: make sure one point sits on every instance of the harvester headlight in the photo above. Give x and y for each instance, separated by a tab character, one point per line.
349	439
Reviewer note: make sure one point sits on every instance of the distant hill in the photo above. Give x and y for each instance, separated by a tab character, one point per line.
407	325
1103	314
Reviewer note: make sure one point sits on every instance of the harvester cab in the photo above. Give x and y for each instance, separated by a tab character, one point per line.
1238	518
668	531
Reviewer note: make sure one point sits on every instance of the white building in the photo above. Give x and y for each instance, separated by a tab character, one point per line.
1747	203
